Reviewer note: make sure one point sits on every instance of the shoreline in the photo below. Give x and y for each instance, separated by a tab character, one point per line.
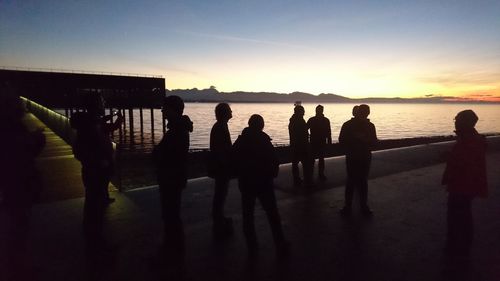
135	169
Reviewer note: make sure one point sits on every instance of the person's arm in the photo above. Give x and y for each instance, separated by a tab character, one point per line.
113	126
342	135
328	132
374	136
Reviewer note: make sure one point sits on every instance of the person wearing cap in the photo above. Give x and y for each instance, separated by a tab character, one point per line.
170	158
358	137
465	178
321	135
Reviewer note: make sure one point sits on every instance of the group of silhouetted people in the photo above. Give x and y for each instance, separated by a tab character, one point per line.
308	142
251	159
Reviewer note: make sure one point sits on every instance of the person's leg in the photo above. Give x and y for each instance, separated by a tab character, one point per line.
295	168
173	239
267	199
223	226
349	187
307	161
220	194
248	206
321	168
363	168
94	206
460	225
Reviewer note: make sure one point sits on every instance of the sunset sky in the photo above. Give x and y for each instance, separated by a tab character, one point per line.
351	48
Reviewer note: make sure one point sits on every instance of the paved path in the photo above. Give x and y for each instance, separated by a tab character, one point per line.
60	171
403	241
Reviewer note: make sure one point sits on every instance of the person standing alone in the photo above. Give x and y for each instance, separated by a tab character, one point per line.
358	137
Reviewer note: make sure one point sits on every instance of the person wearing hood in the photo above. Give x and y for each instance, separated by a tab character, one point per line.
170	157
299	146
358	137
321	135
256	167
465	178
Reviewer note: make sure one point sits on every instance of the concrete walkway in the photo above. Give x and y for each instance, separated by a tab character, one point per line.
403	241
60	171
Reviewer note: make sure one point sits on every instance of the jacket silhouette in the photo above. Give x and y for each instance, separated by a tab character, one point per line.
170	159
358	137
220	170
170	155
299	146
220	151
256	167
465	178
321	135
465	171
256	159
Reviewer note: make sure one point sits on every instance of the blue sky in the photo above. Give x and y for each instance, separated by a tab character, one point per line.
352	48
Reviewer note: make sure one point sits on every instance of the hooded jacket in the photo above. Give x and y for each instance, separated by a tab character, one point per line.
465	171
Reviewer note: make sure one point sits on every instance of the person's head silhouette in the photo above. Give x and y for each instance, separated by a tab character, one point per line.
319	110
256	122
355	110
94	104
465	121
223	112
173	107
299	110
362	111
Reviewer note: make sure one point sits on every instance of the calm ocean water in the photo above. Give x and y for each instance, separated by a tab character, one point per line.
391	120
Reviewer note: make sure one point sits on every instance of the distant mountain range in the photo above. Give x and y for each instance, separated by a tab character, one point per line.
213	95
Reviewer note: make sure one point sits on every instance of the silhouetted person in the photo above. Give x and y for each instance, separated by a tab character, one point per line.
299	146
256	166
357	137
465	178
321	135
170	157
220	168
20	184
94	149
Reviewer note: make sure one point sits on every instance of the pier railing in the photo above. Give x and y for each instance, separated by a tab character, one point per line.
61	126
54	120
